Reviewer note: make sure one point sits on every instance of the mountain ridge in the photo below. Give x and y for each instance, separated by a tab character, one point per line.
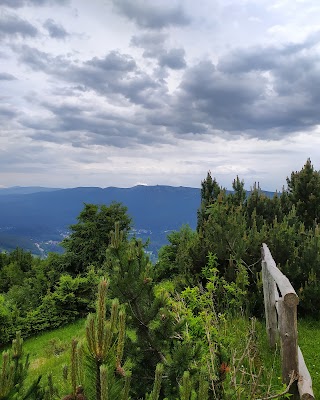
25	190
45	216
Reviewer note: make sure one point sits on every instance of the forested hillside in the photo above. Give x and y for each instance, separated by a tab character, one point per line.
37	219
161	330
43	216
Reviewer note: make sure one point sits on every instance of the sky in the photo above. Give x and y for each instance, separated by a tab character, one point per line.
128	92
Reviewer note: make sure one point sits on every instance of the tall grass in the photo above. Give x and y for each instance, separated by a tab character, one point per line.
50	351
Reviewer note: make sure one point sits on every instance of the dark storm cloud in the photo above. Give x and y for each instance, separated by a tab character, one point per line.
152	15
209	101
23	3
292	88
114	76
4	76
154	47
151	42
12	25
114	62
266	92
173	59
39	60
204	82
55	30
267	58
117	74
83	126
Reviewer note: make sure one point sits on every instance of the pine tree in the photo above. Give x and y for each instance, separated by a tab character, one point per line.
210	191
239	194
13	374
153	320
304	193
132	282
97	371
89	237
105	343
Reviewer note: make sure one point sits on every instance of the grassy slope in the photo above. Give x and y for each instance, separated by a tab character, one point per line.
50	351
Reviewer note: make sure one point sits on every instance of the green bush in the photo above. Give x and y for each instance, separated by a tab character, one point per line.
5	322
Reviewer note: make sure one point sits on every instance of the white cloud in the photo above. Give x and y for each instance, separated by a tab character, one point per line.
115	93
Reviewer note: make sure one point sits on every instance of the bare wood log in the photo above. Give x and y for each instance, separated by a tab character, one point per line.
287	292
289	344
269	294
304	381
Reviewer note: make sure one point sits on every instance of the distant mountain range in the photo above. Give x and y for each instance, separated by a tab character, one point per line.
25	190
37	218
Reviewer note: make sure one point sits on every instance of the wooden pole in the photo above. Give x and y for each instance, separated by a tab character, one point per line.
289	344
269	293
285	287
281	316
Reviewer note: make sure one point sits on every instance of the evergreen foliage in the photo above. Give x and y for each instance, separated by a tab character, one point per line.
105	344
210	191
97	366
13	373
131	281
304	194
232	226
89	238
177	258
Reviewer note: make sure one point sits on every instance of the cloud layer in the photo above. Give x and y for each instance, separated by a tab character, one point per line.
130	93
153	15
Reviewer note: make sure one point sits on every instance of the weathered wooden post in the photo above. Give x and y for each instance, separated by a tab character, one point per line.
280	301
269	294
289	343
287	318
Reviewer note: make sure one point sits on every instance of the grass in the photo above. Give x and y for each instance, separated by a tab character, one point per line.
309	342
50	351
255	367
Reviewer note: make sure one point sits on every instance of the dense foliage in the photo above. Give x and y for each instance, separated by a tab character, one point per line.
233	226
176	310
89	238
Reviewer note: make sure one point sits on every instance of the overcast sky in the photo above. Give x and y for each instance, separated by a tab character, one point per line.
127	92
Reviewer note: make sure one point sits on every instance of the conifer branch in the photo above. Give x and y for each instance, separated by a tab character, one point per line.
104	382
121	337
